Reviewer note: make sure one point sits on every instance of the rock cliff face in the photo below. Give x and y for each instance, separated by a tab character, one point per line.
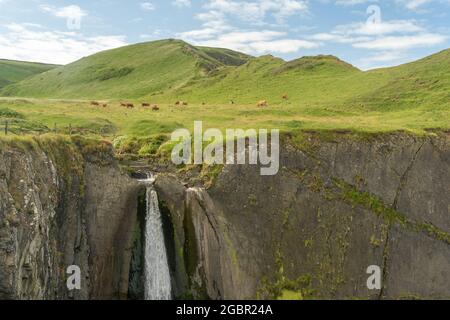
339	205
62	204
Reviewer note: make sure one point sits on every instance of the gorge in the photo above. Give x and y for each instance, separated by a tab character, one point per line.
341	202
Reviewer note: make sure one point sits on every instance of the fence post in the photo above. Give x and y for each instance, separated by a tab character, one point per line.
6	127
54	128
70	129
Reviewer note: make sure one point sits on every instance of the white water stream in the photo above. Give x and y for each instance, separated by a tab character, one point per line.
156	269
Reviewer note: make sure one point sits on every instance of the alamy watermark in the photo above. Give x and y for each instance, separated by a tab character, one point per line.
230	147
374	13
74	278
374	281
73	15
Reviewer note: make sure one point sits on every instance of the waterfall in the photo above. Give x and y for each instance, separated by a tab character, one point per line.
156	267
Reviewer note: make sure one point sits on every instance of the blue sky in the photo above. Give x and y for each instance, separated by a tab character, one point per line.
366	33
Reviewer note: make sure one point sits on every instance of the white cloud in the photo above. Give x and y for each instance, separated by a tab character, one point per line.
182	3
353	2
402	42
386	41
25	42
365	32
417	5
380	28
217	30
147	6
257	11
413	4
73	14
381	59
386	56
251	42
69	12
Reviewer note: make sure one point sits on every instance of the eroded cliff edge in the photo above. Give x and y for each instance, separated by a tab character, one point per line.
340	203
63	201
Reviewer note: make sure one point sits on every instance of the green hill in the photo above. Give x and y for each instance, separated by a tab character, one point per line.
309	79
129	72
14	71
424	83
326	81
169	70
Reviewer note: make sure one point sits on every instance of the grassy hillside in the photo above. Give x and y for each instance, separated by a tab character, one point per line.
306	80
169	70
421	84
323	93
15	71
134	71
327	82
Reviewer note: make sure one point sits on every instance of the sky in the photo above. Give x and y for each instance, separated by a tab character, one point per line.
367	33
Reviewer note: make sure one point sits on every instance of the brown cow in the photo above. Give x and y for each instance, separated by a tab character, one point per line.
263	103
285	97
177	103
185	103
95	103
123	104
145	104
130	106
105	105
155	107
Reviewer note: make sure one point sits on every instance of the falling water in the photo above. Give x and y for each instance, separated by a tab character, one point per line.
157	277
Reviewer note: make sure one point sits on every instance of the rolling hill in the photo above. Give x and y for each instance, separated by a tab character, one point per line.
14	71
133	71
326	81
424	83
167	70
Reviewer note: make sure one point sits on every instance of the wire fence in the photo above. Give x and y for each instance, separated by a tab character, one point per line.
17	128
9	127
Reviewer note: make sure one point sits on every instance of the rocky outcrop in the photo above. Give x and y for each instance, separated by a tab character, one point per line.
340	204
62	203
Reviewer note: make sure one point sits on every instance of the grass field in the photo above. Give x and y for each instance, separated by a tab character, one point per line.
115	120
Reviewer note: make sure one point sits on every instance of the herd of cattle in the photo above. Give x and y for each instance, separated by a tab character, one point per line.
155	107
127	105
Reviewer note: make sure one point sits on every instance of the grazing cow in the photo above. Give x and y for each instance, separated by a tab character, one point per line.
155	107
105	105
95	103
263	103
231	101
185	103
145	104
285	97
177	103
123	104
130	106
